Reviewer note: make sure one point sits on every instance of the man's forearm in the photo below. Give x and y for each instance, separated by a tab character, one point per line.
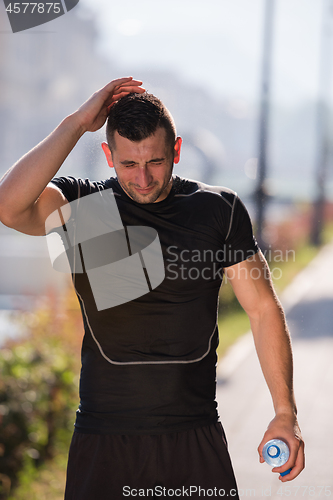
273	346
24	182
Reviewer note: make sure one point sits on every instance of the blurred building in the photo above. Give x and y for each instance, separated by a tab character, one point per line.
45	74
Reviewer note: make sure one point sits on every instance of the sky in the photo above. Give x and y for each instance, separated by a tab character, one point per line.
216	44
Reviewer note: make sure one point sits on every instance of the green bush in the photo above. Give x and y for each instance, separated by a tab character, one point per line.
38	392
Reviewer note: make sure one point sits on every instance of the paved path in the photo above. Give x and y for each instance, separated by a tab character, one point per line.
244	402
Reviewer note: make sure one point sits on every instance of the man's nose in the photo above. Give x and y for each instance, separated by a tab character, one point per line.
143	177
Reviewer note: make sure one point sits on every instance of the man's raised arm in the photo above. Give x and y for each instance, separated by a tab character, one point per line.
252	285
26	200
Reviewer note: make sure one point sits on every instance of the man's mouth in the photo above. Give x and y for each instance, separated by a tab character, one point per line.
144	190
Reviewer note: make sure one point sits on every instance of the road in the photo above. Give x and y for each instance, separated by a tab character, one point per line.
244	401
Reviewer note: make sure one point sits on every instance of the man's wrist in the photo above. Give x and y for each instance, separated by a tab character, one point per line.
288	411
74	125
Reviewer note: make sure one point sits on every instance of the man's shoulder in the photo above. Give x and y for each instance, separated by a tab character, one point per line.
76	187
189	187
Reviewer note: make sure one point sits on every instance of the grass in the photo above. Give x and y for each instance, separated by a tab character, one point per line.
231	327
45	483
233	321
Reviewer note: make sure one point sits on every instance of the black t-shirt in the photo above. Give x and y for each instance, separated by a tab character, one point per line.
149	365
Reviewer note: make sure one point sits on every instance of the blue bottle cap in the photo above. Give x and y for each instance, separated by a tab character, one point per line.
285	472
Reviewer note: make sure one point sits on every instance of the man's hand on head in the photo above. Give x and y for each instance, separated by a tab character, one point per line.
93	113
26	200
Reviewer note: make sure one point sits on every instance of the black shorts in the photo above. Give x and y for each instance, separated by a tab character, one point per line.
189	464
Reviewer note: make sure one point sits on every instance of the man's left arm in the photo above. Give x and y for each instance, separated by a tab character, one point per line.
253	287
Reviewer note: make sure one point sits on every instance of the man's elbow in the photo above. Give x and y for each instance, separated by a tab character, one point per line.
13	219
270	305
6	217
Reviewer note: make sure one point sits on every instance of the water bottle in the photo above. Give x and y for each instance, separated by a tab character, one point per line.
276	453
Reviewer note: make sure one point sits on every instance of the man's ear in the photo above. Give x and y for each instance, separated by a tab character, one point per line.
176	154
107	153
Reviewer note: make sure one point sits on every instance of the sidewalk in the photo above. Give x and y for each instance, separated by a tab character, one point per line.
244	402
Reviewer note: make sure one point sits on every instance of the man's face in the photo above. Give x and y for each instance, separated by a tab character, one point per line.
144	168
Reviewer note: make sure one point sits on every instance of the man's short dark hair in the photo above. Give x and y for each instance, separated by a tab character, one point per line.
138	116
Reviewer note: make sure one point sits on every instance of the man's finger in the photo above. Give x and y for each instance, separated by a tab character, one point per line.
111	87
134	88
116	99
298	466
122	92
122	81
118	81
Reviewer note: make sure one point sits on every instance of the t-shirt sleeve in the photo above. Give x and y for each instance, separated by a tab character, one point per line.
240	243
69	186
73	188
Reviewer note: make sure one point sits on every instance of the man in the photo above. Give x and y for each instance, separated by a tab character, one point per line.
147	422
